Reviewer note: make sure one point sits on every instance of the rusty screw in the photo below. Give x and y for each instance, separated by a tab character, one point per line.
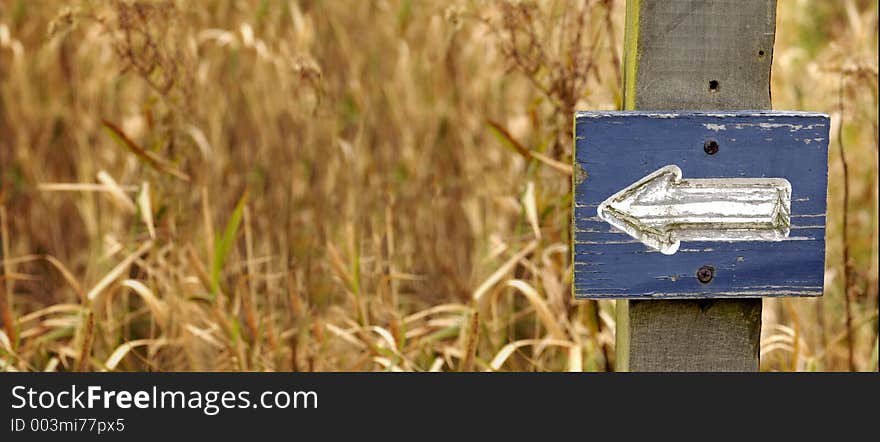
710	147
705	274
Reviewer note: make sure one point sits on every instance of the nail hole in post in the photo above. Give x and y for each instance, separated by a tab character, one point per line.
761	53
710	147
713	85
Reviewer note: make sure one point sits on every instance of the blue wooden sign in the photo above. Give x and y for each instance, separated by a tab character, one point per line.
699	204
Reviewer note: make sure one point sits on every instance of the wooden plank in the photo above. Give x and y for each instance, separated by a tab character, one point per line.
701	54
703	335
695	54
616	149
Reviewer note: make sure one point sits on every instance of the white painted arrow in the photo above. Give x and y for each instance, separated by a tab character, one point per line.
662	209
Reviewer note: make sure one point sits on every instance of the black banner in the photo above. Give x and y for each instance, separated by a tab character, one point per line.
397	406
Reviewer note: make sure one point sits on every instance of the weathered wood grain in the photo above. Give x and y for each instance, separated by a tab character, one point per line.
704	335
703	54
676	51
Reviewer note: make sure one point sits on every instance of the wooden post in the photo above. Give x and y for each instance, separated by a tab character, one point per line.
694	55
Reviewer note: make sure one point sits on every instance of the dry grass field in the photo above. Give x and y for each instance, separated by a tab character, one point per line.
359	185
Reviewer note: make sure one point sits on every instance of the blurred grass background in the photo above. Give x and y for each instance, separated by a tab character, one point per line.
359	185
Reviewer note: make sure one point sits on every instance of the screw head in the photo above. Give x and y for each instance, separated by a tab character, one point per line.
710	147
705	274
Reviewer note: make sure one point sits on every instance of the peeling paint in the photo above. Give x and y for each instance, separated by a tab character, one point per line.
579	174
624	147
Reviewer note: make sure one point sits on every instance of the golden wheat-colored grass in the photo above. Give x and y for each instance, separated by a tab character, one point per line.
358	185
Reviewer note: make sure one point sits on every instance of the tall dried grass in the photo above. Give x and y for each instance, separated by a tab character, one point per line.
370	185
